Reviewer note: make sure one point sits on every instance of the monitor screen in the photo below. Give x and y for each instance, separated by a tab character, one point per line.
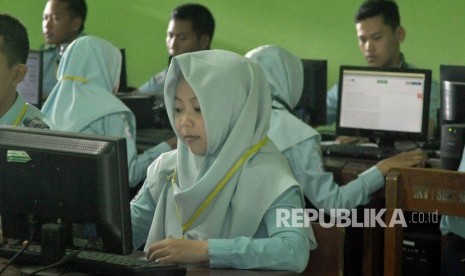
452	79
31	87
76	179
312	105
383	104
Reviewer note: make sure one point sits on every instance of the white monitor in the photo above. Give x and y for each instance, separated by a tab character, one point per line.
31	87
384	103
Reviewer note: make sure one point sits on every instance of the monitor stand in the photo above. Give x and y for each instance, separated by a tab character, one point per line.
53	242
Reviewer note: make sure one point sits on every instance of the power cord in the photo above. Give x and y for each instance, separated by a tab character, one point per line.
23	248
65	260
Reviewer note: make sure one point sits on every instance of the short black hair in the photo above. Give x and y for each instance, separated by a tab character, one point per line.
78	8
15	44
385	8
201	18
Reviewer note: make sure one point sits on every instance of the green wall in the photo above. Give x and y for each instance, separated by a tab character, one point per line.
319	29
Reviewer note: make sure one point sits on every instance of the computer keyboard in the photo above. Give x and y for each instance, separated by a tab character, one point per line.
358	151
111	264
99	263
154	136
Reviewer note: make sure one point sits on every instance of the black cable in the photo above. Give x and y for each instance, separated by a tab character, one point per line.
283	103
23	248
25	245
66	259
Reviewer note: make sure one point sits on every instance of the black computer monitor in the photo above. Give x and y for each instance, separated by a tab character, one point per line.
76	179
123	78
384	104
31	87
452	90
312	105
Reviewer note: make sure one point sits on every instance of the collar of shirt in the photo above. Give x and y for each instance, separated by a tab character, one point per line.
12	114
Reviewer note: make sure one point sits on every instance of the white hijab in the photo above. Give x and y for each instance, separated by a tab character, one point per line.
284	73
235	101
87	75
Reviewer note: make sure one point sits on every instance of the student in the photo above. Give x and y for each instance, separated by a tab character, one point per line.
300	143
83	100
453	230
62	22
219	105
380	34
190	28
14	49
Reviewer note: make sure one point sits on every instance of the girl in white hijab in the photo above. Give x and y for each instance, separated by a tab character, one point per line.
215	198
83	100
300	143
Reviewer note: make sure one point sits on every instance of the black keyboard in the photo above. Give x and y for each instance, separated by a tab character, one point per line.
111	264
154	136
99	263
358	151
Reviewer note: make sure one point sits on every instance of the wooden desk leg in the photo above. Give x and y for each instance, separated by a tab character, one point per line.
373	244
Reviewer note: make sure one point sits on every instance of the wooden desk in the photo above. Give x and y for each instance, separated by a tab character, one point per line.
363	246
202	270
192	270
372	239
10	271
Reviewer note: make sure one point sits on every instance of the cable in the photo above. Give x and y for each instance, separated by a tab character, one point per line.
66	259
23	248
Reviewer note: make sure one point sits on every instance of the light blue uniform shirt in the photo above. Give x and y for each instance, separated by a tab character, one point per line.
332	100
83	100
49	69
300	143
240	222
319	186
240	252
16	116
155	84
451	224
117	124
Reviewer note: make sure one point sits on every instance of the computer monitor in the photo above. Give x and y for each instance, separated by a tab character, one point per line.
384	104
312	105
78	179
452	81
31	87
123	78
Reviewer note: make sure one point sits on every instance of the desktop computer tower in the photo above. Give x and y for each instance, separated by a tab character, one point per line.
421	254
452	102
452	143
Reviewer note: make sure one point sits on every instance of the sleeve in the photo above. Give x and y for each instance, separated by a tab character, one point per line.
283	248
147	157
331	105
154	85
319	186
117	124
49	65
142	209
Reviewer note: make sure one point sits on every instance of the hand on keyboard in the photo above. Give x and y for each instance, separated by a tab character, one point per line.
358	151
179	251
413	158
350	139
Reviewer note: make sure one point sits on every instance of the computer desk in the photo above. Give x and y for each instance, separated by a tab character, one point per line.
344	171
363	254
192	270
